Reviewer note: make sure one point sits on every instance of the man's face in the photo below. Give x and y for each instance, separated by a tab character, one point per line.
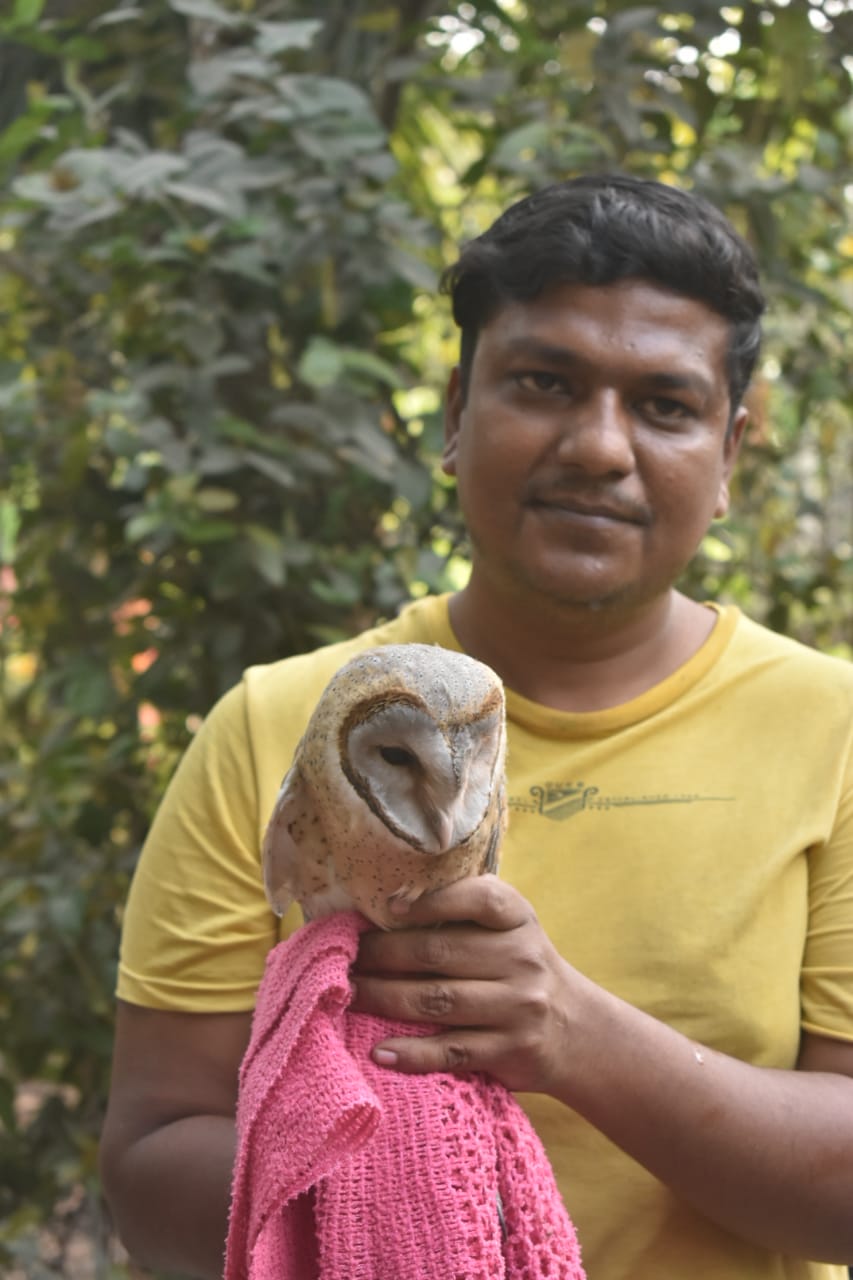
592	451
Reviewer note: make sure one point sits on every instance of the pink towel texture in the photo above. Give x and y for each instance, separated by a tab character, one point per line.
349	1171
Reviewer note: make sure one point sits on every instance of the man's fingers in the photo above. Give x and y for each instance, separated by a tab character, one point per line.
445	1003
483	900
446	950
477	918
463	951
451	1051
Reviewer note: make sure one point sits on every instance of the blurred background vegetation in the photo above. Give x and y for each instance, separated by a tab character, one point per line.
221	367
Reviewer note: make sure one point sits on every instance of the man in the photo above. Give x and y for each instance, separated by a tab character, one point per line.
664	968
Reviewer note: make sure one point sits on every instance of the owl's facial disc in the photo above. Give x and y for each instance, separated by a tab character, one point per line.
405	767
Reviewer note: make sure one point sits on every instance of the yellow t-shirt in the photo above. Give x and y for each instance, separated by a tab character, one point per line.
691	851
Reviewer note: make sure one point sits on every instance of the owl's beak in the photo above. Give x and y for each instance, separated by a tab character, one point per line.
441	824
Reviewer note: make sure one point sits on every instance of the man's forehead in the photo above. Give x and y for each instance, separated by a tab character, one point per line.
636	314
632	293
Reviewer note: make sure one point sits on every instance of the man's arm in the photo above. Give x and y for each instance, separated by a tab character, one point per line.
167	1149
768	1154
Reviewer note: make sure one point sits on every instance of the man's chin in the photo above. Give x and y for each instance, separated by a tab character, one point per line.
591	598
569	587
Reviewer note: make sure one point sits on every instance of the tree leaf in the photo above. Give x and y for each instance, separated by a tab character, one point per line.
276	37
211	499
321	363
206	198
267	554
150	172
116	16
207	10
10	524
28	11
271	468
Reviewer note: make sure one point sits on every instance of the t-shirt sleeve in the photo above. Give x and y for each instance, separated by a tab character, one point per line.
827	975
197	926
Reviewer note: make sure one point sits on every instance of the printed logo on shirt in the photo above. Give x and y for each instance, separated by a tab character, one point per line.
561	800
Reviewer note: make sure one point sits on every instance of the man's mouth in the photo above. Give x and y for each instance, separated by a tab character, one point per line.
571	505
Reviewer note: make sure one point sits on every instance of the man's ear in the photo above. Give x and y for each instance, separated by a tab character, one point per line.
453	408
731	449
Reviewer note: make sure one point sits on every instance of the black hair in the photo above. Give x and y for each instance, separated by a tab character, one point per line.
601	228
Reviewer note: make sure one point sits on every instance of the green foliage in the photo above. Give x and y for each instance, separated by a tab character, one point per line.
220	370
201	267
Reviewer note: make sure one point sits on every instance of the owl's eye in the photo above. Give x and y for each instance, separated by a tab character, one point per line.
397	755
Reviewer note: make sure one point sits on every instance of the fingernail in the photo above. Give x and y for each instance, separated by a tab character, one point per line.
384	1057
399	906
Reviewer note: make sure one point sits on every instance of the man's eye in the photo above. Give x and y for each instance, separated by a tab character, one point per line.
540	380
667	410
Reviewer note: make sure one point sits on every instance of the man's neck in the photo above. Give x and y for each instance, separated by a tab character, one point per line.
580	659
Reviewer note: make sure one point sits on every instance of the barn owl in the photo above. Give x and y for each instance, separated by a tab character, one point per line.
396	788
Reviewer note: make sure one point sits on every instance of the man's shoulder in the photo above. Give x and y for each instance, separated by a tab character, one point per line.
758	647
303	676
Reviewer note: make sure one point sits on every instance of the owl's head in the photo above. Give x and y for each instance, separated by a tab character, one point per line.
424	745
397	786
428	781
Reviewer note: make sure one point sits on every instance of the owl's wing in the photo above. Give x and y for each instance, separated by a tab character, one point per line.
498	826
280	854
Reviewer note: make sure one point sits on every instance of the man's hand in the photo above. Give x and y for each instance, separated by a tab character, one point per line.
473	959
768	1154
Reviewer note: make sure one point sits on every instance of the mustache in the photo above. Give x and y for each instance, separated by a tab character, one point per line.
588	500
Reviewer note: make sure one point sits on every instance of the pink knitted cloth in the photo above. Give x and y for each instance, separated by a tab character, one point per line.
349	1171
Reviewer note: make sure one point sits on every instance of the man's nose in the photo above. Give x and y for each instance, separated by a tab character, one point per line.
597	435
